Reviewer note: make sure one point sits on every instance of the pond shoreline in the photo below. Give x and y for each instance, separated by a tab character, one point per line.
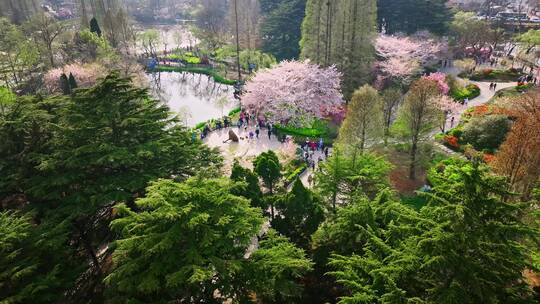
196	70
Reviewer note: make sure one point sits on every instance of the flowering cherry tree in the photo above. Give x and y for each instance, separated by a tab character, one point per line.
294	91
448	107
440	78
85	75
402	57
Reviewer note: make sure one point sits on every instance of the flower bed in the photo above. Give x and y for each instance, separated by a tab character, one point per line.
319	129
187	58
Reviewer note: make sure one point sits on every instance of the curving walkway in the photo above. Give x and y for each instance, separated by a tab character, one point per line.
485	96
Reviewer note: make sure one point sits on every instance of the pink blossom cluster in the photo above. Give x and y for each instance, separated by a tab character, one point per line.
440	78
448	105
85	75
403	56
294	91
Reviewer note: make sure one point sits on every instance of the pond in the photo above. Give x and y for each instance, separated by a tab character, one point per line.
196	97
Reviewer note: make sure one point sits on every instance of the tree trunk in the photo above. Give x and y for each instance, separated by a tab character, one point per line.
334	199
318	60
87	245
412	172
51	55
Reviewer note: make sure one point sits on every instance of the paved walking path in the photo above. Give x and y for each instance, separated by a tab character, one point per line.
485	96
245	150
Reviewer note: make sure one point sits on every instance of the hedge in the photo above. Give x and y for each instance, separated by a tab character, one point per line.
197	70
496	75
289	179
235	111
470	91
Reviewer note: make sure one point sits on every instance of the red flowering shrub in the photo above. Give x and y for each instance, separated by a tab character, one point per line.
486	72
481	110
451	141
488	158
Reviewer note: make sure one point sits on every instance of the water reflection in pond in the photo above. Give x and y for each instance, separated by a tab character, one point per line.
195	97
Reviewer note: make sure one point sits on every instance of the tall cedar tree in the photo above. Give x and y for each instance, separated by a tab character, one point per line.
112	139
33	267
252	191
418	116
346	177
464	247
189	241
363	123
348	233
300	212
276	270
268	168
341	33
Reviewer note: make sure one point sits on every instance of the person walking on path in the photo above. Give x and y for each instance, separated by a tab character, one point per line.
257	131
269	130
310	180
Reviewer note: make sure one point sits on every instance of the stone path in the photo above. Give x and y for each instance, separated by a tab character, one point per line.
246	150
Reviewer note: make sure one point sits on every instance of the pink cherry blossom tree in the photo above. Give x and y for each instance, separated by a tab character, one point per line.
448	108
294	91
403	57
440	78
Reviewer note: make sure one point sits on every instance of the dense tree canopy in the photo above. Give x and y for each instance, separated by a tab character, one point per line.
410	16
464	247
107	196
189	242
341	33
281	28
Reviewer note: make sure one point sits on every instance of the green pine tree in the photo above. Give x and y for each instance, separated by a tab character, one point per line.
347	176
189	241
94	26
72	82
268	168
252	191
299	213
275	270
64	84
464	247
281	28
411	16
